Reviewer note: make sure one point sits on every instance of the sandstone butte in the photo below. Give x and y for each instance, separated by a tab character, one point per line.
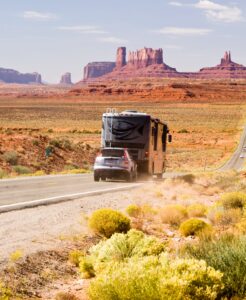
149	62
12	76
66	79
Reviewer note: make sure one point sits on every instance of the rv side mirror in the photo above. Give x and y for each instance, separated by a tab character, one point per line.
170	138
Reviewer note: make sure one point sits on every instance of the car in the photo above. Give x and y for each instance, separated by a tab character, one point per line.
242	155
115	163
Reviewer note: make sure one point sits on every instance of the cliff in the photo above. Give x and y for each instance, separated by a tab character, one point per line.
12	76
97	69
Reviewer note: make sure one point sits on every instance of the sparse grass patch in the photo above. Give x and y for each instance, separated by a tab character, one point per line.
2	174
196	210
21	170
173	214
233	200
11	157
65	296
75	256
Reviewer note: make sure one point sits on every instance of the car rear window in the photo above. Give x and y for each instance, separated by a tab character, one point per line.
112	153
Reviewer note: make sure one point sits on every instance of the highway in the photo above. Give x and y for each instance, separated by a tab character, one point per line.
236	162
33	191
29	192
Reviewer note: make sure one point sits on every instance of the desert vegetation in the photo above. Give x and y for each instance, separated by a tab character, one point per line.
176	240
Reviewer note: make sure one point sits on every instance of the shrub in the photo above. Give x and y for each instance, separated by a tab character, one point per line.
11	157
107	221
65	296
241	227
158	279
86	267
188	178
5	292
228	217
35	142
2	174
21	170
121	246
75	256
133	210
233	200
173	214
196	210
227	254
194	227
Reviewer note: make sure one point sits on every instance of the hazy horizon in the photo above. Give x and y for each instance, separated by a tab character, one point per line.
54	37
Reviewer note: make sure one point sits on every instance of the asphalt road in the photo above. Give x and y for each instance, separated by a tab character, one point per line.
32	191
236	162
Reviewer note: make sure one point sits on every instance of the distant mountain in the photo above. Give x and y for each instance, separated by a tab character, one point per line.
149	62
13	76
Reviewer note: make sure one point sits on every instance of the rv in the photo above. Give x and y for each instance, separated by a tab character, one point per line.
145	138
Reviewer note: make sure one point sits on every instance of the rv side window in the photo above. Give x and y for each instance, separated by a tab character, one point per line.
155	136
164	138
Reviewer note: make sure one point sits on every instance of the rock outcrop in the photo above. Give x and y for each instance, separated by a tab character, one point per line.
121	57
145	57
66	79
97	69
12	76
226	69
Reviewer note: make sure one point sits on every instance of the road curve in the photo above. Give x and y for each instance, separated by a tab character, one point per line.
236	162
33	191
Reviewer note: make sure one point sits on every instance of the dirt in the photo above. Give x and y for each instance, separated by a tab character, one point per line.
37	151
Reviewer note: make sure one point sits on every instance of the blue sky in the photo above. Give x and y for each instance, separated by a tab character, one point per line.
56	36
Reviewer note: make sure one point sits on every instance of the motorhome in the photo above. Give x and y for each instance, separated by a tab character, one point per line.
144	136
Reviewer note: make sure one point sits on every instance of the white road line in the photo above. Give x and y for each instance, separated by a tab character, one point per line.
26	178
58	199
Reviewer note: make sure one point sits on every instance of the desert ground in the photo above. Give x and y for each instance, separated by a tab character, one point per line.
205	118
39	245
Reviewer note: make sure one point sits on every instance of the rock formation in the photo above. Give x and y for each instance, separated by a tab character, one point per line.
66	79
145	57
12	76
121	57
226	69
97	69
149	62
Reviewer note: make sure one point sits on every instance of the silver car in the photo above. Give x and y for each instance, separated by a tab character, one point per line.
115	163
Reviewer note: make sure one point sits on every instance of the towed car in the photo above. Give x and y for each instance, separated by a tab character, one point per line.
115	163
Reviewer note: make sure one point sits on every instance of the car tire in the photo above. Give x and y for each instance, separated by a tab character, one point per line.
96	177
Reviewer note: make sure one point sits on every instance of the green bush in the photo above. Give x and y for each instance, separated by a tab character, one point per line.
121	246
194	227
157	279
134	210
233	200
21	170
107	221
11	157
227	254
